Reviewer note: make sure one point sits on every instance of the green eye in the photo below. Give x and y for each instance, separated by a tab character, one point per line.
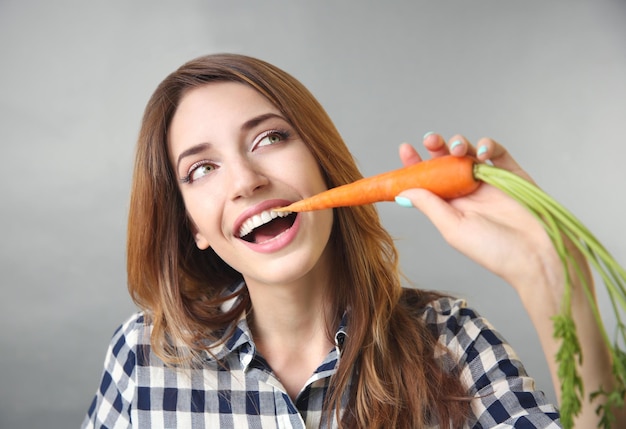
270	137
198	171
269	140
201	171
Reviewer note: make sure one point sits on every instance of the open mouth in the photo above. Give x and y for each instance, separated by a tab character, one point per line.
265	226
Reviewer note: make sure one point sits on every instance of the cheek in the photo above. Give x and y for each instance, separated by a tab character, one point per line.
309	174
203	214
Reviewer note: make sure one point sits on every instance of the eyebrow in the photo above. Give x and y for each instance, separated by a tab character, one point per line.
251	123
246	126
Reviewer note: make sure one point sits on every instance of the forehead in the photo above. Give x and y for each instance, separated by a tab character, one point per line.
220	99
215	108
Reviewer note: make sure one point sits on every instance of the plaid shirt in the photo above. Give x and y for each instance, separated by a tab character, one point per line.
138	391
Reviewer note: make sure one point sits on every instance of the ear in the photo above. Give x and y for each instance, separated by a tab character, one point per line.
201	242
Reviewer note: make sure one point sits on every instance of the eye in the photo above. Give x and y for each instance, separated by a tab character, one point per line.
198	171
270	137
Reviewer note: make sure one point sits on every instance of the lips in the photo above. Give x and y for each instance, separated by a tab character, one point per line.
265	226
260	223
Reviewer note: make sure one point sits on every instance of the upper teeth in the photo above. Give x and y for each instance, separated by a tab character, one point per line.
259	219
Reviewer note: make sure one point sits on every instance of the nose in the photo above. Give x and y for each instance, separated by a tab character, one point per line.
246	178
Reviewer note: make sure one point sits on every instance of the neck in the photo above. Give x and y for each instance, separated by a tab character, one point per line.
293	313
289	314
289	324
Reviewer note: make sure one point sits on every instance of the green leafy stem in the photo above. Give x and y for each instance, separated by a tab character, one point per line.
561	225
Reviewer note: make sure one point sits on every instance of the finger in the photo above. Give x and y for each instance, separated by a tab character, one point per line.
490	150
458	145
408	154
435	145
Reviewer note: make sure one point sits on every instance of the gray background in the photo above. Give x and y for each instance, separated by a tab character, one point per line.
548	79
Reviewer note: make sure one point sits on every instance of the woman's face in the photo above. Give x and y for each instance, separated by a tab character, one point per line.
237	157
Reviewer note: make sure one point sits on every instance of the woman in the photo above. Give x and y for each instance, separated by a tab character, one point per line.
250	319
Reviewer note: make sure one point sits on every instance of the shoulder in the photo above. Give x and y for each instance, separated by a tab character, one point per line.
444	307
472	345
451	319
128	342
462	331
488	366
112	402
135	330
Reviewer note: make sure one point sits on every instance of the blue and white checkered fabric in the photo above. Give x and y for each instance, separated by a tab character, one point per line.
138	391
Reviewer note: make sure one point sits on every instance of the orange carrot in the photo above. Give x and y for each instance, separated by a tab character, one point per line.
447	176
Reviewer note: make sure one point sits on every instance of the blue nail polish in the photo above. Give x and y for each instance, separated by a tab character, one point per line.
404	202
430	133
481	150
455	144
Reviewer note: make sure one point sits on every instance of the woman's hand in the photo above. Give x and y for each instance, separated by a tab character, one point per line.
504	237
488	226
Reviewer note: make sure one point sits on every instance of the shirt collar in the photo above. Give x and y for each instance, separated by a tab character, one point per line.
342	333
238	332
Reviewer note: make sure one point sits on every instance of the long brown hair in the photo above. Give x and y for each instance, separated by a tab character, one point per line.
389	354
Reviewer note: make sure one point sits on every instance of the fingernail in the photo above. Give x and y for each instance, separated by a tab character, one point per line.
430	133
404	202
455	144
481	150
